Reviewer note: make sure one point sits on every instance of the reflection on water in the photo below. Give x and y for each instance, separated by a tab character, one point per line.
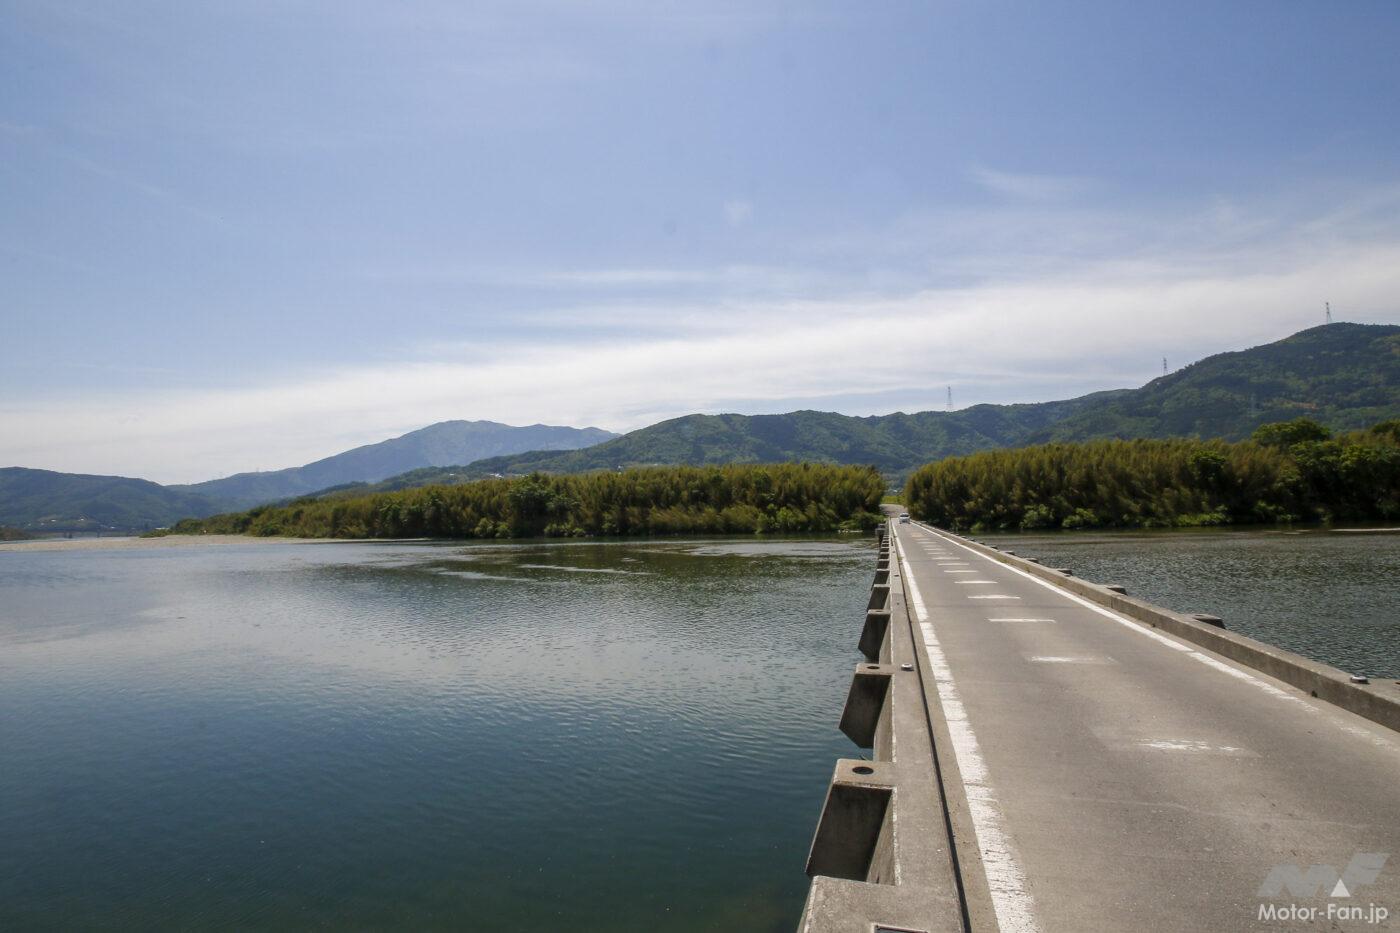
1330	596
543	736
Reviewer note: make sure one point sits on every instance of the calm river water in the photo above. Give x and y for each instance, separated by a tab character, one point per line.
523	737
1333	596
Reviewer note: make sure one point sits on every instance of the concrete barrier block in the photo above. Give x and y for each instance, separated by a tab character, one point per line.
879	596
874	637
854	838
865	720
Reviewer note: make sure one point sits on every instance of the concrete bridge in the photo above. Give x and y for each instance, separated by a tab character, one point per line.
1049	754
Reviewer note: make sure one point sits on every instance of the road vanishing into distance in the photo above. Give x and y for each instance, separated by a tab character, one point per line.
1118	778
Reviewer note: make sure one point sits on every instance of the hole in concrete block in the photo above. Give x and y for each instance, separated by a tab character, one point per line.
862	769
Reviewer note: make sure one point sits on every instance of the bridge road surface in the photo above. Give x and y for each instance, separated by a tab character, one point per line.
1117	778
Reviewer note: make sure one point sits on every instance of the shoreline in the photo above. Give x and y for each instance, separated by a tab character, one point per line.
135	542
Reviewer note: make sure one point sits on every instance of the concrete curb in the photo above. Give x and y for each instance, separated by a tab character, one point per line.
1378	702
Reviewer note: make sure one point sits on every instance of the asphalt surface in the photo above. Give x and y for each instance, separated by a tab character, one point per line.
1117	778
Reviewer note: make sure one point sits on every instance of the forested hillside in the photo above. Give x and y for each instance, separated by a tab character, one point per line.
890	442
655	501
1290	471
45	501
1343	375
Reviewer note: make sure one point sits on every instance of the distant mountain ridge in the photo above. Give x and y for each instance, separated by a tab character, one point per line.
47	501
441	444
1344	375
890	442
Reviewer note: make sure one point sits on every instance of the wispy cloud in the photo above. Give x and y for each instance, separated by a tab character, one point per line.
1027	186
975	338
751	277
41	139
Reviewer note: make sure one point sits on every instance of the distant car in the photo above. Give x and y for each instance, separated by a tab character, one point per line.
904	516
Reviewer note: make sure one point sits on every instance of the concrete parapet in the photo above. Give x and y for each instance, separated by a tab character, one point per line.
1378	702
883	857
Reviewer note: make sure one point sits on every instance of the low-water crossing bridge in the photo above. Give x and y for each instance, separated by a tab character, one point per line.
1048	754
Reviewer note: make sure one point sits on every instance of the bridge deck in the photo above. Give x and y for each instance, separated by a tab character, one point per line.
1106	776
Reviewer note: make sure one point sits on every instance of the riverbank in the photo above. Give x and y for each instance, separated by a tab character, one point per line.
133	543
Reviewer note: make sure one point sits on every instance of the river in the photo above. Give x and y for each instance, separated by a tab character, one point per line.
530	737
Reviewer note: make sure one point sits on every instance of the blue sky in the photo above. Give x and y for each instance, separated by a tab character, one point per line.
247	235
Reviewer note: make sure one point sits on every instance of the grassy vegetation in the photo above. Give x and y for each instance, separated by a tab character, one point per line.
1288	471
651	501
14	534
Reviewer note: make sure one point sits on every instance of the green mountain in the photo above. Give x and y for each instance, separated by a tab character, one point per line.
440	444
1343	375
45	501
890	442
1346	376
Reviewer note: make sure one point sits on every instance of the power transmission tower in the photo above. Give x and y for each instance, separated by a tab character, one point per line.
950	398
1164	366
1329	311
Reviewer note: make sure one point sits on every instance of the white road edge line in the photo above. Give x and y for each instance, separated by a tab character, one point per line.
1011	901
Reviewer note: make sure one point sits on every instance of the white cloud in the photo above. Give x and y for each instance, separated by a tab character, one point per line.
1029	187
976	337
738	212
